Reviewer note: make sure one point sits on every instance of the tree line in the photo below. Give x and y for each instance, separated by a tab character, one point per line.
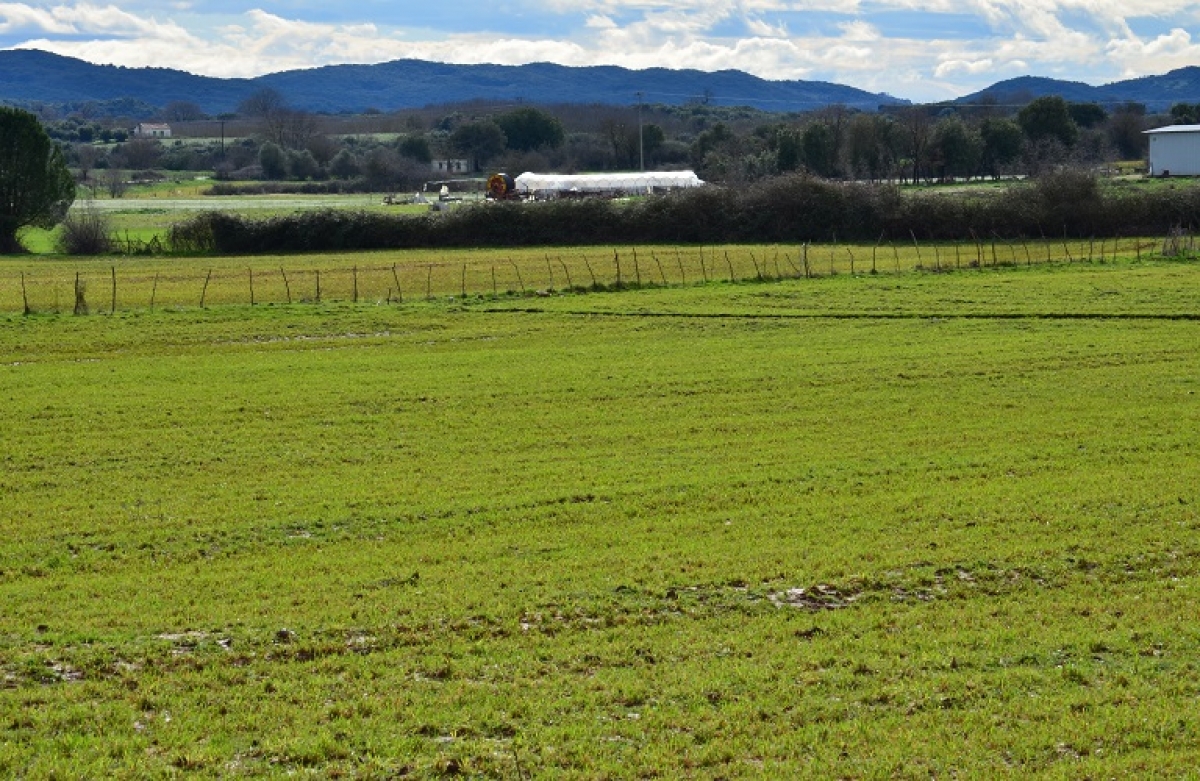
266	139
732	146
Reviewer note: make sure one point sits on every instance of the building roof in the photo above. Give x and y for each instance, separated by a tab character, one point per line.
624	182
1174	129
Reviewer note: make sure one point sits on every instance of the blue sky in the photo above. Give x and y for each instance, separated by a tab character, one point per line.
918	49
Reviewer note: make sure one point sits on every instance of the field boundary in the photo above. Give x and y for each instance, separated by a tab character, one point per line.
87	287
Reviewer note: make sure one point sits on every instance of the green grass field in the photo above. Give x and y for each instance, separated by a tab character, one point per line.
901	525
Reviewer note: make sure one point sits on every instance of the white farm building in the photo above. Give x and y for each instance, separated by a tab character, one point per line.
1175	150
640	183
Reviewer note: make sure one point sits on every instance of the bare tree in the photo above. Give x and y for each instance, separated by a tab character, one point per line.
182	111
919	131
292	129
140	152
115	183
289	128
262	104
86	156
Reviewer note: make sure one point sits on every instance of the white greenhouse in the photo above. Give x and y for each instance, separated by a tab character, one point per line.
636	183
1175	150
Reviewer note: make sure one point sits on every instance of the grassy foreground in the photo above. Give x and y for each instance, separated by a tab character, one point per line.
858	526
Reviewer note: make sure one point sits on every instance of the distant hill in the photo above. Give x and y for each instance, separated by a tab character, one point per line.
31	77
28	75
1158	93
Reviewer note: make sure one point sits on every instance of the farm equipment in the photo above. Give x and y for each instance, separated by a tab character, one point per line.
502	187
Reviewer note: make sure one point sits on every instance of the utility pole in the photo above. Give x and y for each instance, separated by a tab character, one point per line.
641	142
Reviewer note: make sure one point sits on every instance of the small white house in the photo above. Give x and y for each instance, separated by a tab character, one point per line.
1175	150
152	130
451	166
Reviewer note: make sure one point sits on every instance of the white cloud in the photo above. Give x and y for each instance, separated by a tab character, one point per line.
79	19
15	17
599	22
971	67
860	31
1136	57
763	29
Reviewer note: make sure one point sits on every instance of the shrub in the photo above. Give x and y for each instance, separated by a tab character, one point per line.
194	235
788	209
85	232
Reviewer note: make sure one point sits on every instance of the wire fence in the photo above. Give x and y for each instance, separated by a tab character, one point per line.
131	284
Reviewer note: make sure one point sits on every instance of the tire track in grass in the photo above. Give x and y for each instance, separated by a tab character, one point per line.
1131	316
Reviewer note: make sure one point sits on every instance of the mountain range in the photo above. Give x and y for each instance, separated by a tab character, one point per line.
1157	93
30	77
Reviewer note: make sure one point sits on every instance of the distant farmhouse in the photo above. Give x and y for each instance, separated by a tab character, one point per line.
1175	150
451	166
152	130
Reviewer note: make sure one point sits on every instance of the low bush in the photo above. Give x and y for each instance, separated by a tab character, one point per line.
85	231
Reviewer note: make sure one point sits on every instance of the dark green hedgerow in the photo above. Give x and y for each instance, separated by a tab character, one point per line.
787	209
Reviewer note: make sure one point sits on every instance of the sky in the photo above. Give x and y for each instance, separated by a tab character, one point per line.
922	50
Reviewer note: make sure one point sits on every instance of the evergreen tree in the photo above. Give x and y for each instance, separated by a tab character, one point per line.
1048	117
526	129
36	187
273	160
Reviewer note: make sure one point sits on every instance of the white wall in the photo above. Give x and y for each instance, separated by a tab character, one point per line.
1177	152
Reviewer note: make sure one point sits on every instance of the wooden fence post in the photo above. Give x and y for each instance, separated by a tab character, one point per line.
80	300
204	291
520	281
661	273
567	271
